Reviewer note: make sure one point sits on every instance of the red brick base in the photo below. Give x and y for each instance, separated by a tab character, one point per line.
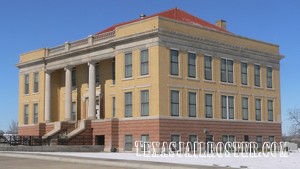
161	129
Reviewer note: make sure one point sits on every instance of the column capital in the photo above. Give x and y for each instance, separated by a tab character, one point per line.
48	71
68	67
92	62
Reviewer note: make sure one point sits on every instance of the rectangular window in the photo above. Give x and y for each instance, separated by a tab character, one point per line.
244	73
97	69
144	59
227	107
128	142
208	106
228	138
257	75
35	113
74	110
145	103
269	77
26	84
128	104
192	104
174	62
26	109
176	139
74	77
174	103
113	71
207	67
145	138
271	139
193	139
226	70
113	106
192	65
245	108
259	140
246	138
36	82
258	109
270	110
128	65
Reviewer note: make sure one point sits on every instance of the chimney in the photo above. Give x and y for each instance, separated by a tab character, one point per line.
142	16
221	24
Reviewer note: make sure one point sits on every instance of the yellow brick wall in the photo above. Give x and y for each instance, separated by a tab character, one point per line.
215	87
32	97
32	55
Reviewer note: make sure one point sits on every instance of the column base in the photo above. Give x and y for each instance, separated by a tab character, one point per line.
48	121
68	119
91	118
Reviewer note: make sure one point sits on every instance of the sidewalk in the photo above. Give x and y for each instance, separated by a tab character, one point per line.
104	162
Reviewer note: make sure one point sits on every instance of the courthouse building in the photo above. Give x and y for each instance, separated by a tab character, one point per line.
166	77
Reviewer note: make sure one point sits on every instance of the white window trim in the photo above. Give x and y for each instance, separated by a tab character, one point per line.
227	107
197	95
233	81
179	107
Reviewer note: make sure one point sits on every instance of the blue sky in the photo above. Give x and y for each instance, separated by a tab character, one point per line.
33	24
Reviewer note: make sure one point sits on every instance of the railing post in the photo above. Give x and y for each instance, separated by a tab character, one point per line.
46	52
90	40
67	46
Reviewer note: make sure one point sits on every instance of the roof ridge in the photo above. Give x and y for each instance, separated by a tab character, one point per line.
174	14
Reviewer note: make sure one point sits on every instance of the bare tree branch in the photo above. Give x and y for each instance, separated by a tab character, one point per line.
294	117
13	127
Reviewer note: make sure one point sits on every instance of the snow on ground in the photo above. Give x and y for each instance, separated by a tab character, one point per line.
291	162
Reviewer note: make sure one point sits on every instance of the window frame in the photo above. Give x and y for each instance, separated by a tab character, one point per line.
244	73
192	143
177	143
125	142
195	104
271	110
171	103
143	63
145	103
211	105
174	62
35	82
26	114
74	112
257	76
243	108
208	68
256	109
26	84
148	140
113	71
227	107
127	73
192	54
259	144
113	106
270	86
227	71
35	113
126	105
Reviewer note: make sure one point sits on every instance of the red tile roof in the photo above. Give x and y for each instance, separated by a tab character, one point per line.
175	14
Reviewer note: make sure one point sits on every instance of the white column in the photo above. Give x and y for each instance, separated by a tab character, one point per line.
68	93
92	91
47	96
